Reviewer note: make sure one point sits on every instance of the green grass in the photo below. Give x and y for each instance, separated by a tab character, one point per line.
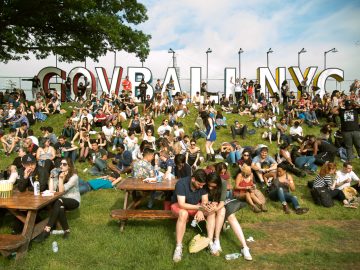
96	243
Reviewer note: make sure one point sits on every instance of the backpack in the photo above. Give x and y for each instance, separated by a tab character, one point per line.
322	196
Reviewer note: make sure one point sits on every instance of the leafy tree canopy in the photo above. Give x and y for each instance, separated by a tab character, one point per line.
72	29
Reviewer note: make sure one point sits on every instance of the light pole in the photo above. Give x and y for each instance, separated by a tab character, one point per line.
302	51
267	56
114	58
240	52
332	50
207	67
173	55
56	64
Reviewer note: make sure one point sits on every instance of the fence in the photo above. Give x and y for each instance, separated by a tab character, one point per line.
214	85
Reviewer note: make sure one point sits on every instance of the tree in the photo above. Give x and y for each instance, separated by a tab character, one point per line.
72	29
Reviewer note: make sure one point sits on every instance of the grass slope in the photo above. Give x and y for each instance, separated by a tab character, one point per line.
96	242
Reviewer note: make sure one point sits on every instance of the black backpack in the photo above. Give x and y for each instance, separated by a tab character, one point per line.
322	196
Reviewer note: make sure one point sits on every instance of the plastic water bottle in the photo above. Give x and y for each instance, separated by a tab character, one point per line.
193	223
36	188
232	256
57	232
55	247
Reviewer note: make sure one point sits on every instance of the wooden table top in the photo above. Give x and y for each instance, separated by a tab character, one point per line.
27	201
138	184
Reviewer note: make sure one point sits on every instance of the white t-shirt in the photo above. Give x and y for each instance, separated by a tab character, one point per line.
296	131
108	132
178	132
341	176
161	130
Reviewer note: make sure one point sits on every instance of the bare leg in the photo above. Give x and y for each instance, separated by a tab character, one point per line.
181	226
220	217
235	226
210	225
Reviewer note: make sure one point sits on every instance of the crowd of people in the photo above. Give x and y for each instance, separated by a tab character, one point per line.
117	135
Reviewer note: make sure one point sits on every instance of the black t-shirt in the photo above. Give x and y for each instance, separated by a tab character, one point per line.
148	103
349	119
183	188
98	154
59	146
143	87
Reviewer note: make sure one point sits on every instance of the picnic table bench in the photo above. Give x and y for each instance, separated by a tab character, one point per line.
128	211
24	206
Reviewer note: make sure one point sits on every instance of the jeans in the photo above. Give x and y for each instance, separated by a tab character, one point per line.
351	138
283	197
233	157
117	141
99	166
300	162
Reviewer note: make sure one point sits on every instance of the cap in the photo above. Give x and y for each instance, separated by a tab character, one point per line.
347	103
28	159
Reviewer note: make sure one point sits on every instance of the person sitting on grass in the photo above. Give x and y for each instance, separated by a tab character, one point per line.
346	176
122	161
281	188
325	180
238	129
9	141
225	209
264	166
245	189
190	198
97	158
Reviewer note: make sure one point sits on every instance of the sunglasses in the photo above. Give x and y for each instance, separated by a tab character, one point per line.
63	164
192	144
246	155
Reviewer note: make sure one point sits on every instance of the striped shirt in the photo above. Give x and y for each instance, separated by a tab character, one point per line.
323	181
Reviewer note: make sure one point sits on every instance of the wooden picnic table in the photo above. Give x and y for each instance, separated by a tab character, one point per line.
25	207
136	184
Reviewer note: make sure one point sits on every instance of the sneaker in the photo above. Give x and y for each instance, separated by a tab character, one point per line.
177	254
246	253
217	245
300	211
213	249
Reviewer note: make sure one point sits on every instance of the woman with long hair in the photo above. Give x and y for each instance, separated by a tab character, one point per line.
224	209
66	181
326	181
210	135
280	190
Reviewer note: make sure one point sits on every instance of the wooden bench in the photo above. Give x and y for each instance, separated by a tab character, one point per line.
10	243
121	214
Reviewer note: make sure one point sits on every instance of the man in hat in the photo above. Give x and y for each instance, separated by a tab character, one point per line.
349	118
30	173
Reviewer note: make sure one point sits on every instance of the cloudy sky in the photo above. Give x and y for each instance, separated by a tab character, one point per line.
191	27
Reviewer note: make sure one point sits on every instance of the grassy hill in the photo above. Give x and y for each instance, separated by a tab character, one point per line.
322	239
